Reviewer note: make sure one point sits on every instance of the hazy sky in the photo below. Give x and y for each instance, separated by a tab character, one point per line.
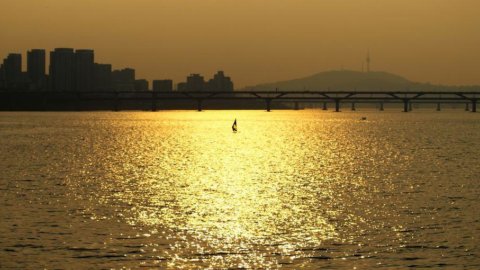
256	41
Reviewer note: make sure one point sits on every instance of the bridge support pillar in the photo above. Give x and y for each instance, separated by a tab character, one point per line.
115	103
381	106
297	106
44	102
199	105
10	101
405	105
337	105
439	108
154	102
78	102
353	106
324	106
154	106
474	105
268	103
467	107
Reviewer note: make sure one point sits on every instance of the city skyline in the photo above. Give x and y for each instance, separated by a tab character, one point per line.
76	70
431	41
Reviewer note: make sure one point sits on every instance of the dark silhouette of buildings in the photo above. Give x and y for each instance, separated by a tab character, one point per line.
162	85
62	69
73	70
182	86
220	83
141	85
102	77
36	69
195	82
124	79
84	70
2	77
12	70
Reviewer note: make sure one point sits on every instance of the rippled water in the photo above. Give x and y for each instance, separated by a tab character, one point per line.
291	189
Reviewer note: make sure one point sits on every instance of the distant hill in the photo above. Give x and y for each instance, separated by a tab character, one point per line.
346	80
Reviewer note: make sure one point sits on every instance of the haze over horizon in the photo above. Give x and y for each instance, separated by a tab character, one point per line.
253	41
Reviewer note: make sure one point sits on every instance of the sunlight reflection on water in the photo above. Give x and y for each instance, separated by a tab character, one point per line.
289	189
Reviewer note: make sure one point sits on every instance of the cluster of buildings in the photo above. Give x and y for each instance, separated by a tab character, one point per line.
75	70
196	82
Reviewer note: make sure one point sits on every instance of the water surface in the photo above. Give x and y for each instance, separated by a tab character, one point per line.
291	189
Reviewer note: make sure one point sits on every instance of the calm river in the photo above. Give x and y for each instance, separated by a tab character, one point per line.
291	189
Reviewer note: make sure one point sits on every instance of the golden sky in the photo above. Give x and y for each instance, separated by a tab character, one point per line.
256	41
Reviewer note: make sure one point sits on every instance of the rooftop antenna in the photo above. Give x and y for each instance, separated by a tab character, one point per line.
368	60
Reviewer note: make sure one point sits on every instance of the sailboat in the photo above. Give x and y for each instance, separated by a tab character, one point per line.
234	126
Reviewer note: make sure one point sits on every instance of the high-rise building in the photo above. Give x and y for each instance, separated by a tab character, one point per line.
2	77
36	69
162	85
124	79
141	85
195	82
182	86
220	83
12	68
84	70
62	69
102	74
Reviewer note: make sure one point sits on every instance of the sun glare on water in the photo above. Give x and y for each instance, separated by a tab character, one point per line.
258	191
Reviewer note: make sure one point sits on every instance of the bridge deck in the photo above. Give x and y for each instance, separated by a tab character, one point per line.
405	97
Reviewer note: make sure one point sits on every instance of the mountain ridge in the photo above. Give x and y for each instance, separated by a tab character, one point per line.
348	80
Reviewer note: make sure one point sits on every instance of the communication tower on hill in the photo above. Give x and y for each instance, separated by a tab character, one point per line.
368	61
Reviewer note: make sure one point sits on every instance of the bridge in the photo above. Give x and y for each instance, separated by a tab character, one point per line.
407	98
